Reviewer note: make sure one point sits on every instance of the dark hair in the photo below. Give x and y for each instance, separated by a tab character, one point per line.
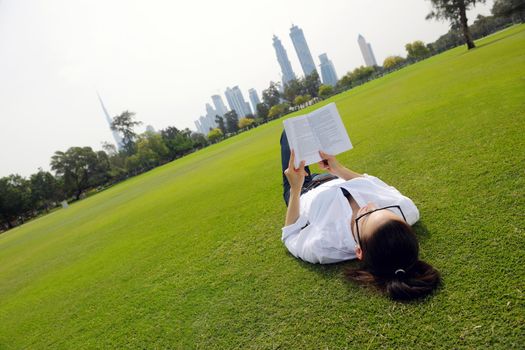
391	263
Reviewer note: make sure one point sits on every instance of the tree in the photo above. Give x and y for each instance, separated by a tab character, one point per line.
77	166
292	89
177	141
262	111
417	50
326	91
215	135
456	12
220	123
311	84
15	198
299	100
199	140
245	123
278	110
271	96
393	62
151	151
124	124
44	190
232	121
514	9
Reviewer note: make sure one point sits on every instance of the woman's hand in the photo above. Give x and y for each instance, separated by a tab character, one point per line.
329	163
295	176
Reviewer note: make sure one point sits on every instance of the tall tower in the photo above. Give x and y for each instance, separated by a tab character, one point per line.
116	136
327	70
219	105
237	102
303	52
366	51
254	98
284	62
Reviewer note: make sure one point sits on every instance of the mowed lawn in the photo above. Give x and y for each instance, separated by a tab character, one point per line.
189	255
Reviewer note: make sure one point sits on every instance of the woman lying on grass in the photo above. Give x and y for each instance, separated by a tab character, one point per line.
344	215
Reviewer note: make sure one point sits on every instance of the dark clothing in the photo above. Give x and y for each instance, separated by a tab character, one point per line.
285	159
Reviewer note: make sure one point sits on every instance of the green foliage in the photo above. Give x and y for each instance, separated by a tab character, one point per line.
308	85
15	198
356	77
278	110
232	122
416	50
77	166
299	100
514	9
245	123
455	11
215	135
125	124
44	190
220	123
393	62
325	91
271	96
262	111
189	255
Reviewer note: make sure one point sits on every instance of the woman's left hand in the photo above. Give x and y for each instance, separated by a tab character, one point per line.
295	176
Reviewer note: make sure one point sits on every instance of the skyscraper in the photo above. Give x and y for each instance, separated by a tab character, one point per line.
303	52
366	51
284	62
118	140
219	105
236	101
327	70
254	98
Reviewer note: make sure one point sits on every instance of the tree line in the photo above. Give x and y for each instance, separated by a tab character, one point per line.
79	171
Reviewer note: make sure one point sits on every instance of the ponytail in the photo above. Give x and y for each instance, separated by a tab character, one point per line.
391	263
421	280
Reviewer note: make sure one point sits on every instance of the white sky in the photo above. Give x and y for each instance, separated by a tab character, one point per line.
164	59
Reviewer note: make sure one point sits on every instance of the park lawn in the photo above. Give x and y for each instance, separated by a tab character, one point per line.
189	255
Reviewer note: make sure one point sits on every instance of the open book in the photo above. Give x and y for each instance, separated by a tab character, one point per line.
320	130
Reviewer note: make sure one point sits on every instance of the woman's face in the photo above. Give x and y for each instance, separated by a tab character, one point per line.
368	224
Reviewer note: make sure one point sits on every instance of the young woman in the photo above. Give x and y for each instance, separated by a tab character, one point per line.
346	215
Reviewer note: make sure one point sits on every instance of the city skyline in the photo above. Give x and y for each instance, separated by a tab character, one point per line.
144	57
328	73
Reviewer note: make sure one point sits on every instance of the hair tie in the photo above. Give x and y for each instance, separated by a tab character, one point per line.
399	271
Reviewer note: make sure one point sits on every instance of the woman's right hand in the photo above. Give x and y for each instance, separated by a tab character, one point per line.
295	176
329	163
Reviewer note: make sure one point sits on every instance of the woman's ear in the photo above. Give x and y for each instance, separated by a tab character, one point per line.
359	253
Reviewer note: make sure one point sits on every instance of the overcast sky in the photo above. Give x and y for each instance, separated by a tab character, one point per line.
163	59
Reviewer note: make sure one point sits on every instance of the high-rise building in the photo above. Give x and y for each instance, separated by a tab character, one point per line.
366	51
220	108
284	62
303	52
254	98
328	73
236	101
118	140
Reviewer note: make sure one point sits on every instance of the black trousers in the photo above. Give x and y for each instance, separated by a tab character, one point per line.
285	159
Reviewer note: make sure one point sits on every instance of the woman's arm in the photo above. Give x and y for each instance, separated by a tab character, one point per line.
330	164
296	179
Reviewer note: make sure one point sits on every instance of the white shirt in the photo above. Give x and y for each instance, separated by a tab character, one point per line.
322	233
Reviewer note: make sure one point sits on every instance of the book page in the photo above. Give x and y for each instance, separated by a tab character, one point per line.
302	140
320	130
330	130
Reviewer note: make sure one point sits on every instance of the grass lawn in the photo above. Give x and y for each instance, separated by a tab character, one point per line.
189	255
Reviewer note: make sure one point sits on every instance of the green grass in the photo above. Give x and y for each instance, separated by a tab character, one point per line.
189	255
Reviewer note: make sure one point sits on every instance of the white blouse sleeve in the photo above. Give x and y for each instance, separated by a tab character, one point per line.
304	243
